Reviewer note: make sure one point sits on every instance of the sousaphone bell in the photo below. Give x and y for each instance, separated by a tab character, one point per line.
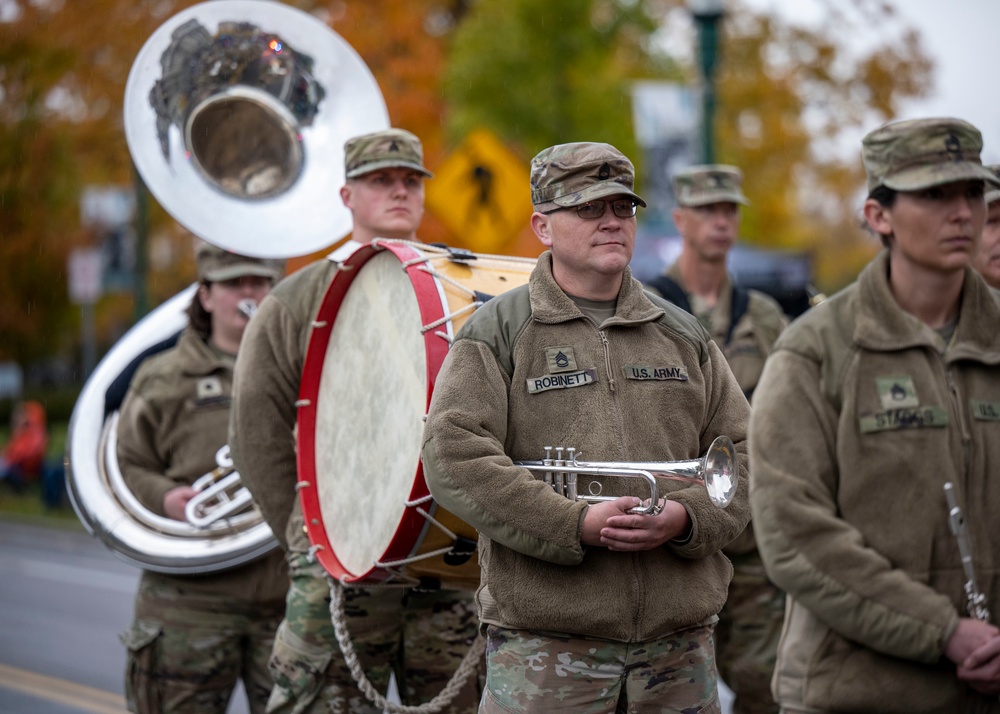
236	113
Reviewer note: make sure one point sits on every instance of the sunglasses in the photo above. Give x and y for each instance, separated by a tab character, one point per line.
592	210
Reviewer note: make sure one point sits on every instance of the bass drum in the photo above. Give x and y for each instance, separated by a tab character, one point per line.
103	501
380	337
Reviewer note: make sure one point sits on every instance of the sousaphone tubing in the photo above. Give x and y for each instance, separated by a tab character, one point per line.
236	113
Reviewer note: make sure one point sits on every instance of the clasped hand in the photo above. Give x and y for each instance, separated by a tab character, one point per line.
610	524
975	648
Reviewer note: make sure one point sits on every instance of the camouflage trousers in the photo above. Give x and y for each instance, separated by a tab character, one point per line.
528	671
421	637
187	650
746	638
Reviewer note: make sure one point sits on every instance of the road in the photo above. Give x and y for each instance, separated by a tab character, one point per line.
63	600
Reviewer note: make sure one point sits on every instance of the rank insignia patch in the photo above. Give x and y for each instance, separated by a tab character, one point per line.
209	388
560	359
897	392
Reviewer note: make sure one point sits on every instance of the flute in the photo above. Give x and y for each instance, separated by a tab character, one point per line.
975	600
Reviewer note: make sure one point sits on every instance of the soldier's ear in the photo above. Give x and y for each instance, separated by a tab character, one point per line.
542	226
878	217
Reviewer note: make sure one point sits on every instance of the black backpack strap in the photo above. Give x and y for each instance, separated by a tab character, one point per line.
740	304
671	291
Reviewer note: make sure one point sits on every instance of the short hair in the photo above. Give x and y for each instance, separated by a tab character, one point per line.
885	197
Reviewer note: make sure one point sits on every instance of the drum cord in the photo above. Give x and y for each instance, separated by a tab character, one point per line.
467	668
391	565
432	252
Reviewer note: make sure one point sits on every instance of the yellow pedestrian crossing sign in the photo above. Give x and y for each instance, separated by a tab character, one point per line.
481	193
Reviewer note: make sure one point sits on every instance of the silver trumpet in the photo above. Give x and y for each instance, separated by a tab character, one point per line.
717	471
220	494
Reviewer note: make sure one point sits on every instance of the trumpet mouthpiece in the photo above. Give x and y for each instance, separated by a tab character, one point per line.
248	307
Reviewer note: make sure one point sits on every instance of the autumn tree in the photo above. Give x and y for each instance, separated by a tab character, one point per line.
790	99
538	74
63	69
535	73
545	73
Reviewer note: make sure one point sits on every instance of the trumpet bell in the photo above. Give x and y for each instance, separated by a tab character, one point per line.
721	471
236	112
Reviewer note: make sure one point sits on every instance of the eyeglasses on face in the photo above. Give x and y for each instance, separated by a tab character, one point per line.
592	210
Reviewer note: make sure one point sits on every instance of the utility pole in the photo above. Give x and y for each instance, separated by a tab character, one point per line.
707	16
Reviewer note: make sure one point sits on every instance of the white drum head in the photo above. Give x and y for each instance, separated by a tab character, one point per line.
369	417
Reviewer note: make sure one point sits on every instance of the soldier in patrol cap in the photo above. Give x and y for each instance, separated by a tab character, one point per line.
422	636
871	402
195	636
987	260
744	323
588	607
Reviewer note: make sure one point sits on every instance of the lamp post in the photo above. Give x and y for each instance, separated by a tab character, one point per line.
707	16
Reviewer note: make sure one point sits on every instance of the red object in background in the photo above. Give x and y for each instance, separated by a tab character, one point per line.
28	440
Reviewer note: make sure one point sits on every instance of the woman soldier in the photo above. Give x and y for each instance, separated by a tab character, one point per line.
195	636
870	404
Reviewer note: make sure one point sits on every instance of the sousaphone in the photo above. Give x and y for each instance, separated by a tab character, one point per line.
236	113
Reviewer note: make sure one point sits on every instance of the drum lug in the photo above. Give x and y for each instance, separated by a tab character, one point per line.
461	551
459	255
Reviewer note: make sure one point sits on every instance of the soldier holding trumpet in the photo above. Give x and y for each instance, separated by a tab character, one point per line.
588	607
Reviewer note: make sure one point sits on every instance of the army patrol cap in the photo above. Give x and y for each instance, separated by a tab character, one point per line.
387	149
916	154
570	174
993	195
707	184
216	264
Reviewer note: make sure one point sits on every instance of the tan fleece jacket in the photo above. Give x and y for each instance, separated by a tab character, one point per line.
861	416
174	419
650	385
268	375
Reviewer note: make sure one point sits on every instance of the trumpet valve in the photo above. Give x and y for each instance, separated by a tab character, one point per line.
570	484
559	483
547	461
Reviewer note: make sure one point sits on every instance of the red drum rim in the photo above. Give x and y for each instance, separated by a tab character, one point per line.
436	349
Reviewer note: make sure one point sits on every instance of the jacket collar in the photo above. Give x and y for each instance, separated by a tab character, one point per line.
882	325
198	357
550	304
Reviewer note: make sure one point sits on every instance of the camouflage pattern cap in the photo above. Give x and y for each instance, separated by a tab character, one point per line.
993	195
216	264
916	154
571	174
709	183
387	149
